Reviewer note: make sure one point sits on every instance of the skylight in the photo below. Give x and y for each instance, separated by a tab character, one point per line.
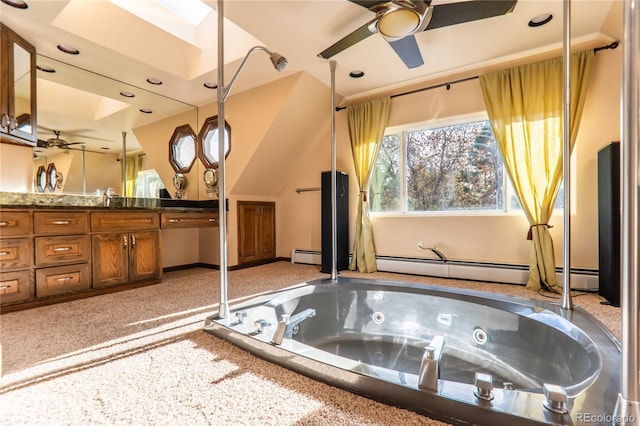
193	11
178	17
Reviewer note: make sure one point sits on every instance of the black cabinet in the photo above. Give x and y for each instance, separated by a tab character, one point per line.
609	222
342	222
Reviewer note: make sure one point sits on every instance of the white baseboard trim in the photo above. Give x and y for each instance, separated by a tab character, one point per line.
581	279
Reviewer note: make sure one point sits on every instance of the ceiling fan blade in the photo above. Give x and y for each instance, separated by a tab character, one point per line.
407	49
456	13
358	35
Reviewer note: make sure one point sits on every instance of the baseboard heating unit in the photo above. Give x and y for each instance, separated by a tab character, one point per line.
581	278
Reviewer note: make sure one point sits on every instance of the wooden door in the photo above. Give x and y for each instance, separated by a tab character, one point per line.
110	259
144	255
256	231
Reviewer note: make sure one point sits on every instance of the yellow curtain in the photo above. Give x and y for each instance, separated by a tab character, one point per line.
525	109
133	167
367	122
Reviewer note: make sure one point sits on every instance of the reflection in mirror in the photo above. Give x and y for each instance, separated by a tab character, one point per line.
52	177
208	142
179	183
41	179
89	112
211	181
22	90
182	149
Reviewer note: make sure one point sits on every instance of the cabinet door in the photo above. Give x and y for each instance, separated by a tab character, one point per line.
248	232
268	231
110	259
19	99
256	231
144	252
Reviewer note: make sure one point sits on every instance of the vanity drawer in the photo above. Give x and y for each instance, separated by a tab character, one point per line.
14	223
15	253
189	220
62	249
124	221
15	287
62	279
60	223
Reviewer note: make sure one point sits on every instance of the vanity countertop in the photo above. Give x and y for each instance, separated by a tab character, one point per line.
44	200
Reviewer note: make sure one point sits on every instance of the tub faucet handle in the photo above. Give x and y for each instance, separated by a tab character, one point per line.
241	316
556	398
260	325
484	386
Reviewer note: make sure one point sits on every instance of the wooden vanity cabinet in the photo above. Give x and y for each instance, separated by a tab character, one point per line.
16	251
256	231
17	89
125	247
62	252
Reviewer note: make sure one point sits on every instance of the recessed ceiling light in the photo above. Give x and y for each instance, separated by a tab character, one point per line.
210	85
356	74
127	94
540	20
68	49
18	4
45	68
154	81
146	111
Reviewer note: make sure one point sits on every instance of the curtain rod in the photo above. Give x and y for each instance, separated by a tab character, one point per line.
448	84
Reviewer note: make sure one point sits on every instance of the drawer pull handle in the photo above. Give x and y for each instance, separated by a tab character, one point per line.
4	223
4	287
61	248
174	220
133	240
60	222
4	253
212	219
63	279
125	240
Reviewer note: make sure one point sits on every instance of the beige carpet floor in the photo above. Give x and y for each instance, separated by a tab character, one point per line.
140	357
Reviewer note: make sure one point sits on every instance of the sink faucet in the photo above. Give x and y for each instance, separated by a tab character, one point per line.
430	365
106	196
287	323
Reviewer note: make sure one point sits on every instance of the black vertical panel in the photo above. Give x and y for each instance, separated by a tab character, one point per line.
609	222
342	221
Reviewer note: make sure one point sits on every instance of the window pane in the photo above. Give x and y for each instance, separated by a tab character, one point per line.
384	188
148	184
454	168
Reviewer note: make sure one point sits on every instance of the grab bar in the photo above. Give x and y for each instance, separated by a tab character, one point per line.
300	190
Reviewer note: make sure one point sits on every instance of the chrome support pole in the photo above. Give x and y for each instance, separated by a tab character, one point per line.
334	192
84	170
124	164
566	157
223	310
627	409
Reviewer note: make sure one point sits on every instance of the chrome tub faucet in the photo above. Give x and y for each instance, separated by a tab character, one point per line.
285	327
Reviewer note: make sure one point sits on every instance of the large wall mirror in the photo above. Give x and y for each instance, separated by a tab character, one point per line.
101	132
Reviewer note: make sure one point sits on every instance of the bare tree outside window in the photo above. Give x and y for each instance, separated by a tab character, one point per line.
450	168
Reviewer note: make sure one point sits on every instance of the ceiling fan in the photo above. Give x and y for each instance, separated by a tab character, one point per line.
57	142
398	20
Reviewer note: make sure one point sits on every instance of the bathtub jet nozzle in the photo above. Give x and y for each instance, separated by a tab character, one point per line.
287	323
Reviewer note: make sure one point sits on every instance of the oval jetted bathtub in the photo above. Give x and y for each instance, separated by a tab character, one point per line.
459	356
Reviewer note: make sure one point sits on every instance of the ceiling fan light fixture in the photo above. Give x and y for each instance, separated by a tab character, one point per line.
540	20
398	23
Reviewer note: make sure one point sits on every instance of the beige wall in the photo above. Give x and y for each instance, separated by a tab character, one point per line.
490	238
16	168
